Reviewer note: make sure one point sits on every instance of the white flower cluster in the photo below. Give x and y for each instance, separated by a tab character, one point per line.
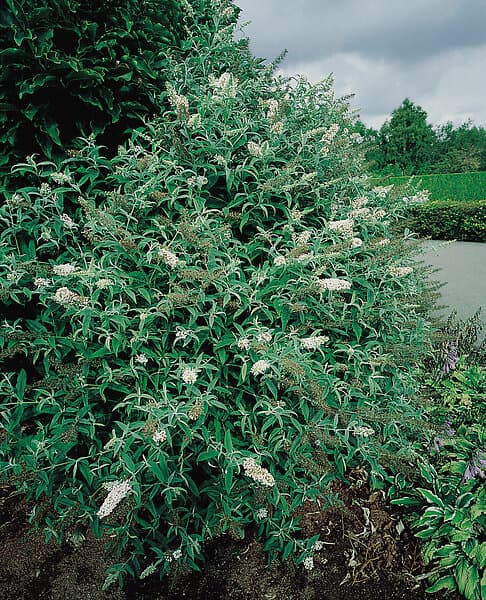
228	12
272	109
382	191
356	242
41	282
421	196
103	283
67	221
379	214
67	297
302	238
384	242
194	121
359	202
224	86
363	431
118	492
255	149
279	260
364	212
262	513
174	556
314	342
189	375
243	343
159	436
343	227
64	270
258	473
273	116
400	271
328	138
61	178
303	257
15	200
168	257
308	563
296	215
330	134
177	101
265	337
181	334
45	189
333	284
141	359
317	546
197	180
260	367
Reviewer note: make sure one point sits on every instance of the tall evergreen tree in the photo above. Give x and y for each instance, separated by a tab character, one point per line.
407	140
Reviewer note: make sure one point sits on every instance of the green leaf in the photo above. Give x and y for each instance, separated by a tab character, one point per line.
447	582
228	442
406	501
426	533
428	472
467	577
430	497
21	384
228	478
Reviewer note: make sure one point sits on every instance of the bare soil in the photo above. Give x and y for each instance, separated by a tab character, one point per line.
366	556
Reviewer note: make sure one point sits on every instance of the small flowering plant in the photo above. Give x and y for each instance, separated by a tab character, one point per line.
192	324
448	501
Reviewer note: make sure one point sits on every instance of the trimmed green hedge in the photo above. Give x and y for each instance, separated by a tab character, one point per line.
444	186
450	220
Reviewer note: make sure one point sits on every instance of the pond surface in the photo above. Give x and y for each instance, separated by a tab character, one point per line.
463	270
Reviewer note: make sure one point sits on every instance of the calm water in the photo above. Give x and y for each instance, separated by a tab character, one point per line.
463	270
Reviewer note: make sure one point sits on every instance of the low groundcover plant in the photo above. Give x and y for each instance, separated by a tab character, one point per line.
210	343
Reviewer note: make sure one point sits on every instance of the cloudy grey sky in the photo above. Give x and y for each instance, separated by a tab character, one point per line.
431	51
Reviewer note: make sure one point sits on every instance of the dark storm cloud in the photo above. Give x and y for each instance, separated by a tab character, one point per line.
404	31
432	51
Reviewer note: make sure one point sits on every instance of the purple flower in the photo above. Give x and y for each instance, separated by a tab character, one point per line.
451	358
481	462
438	443
474	469
448	430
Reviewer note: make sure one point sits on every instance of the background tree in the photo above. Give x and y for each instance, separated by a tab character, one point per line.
461	149
407	141
369	140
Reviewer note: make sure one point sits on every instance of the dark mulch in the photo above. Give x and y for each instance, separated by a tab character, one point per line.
366	556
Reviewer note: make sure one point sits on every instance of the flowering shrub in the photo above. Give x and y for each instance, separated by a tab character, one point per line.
208	344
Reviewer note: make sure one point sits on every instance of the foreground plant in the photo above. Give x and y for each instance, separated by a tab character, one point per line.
208	345
448	502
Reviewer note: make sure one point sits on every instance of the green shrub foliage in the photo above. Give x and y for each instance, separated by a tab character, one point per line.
207	345
450	220
71	68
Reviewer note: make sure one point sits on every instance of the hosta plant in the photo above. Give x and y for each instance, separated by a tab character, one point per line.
450	516
207	345
448	501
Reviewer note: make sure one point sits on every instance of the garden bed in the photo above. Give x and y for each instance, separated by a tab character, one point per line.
365	555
